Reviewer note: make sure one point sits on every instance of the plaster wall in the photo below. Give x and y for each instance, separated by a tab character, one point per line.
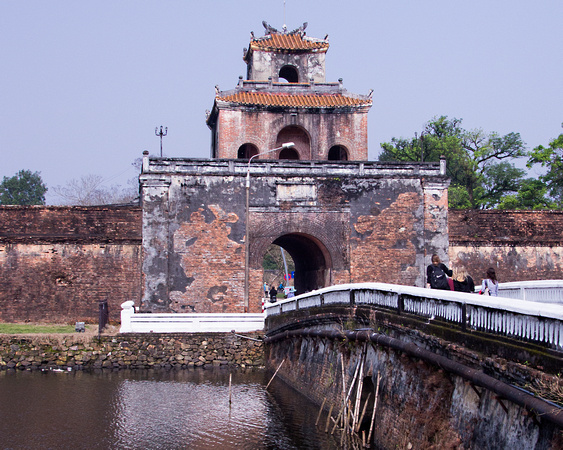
310	66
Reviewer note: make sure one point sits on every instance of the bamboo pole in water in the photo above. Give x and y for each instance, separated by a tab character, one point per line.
230	383
328	418
363	413
346	399
275	373
358	396
374	408
320	411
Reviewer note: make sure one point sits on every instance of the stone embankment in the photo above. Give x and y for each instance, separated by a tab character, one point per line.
131	351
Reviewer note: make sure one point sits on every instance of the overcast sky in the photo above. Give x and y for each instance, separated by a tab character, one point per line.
84	84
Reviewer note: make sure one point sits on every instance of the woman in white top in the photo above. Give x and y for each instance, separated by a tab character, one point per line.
490	284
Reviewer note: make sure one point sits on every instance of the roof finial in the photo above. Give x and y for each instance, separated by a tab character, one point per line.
284	28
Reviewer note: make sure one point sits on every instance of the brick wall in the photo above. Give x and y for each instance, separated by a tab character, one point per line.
520	245
340	223
57	263
261	128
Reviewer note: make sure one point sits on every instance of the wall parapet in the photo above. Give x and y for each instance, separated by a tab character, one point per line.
132	322
188	166
70	224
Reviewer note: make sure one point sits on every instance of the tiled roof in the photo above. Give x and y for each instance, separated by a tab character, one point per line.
296	100
277	42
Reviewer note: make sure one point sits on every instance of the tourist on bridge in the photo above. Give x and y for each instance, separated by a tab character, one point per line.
489	286
462	281
273	294
437	275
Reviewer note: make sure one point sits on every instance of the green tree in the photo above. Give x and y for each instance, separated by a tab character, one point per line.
477	162
531	195
551	157
24	188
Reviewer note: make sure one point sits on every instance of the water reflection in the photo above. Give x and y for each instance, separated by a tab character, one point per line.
156	410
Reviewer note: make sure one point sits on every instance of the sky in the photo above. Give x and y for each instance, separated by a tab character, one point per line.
83	85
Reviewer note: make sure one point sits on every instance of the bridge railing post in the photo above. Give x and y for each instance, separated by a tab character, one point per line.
400	304
464	317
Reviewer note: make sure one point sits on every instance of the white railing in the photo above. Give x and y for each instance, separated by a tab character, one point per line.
532	321
133	322
544	291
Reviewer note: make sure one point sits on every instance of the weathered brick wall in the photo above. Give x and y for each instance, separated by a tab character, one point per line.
520	245
324	130
57	263
340	223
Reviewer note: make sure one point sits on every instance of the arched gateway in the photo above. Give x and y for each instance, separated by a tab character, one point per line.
207	223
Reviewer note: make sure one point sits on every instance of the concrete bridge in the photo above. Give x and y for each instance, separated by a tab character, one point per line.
428	368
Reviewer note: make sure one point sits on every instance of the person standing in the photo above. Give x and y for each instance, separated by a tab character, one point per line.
489	286
437	275
462	281
273	294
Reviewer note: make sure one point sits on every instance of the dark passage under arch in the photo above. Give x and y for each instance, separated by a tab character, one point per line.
311	261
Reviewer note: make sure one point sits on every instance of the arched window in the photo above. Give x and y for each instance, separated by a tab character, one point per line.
247	151
290	74
338	153
300	138
289	153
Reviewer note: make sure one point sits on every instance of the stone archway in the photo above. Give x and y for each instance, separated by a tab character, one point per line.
312	260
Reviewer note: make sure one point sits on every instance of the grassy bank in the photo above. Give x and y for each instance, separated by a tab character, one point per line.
29	328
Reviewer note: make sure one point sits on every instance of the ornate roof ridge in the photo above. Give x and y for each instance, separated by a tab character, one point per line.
284	40
314	99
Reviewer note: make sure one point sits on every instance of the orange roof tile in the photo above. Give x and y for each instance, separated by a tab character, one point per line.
276	42
296	100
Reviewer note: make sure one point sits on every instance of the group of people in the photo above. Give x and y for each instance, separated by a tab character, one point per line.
438	276
272	293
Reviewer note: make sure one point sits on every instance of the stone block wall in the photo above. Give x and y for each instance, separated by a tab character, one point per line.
131	351
57	263
420	405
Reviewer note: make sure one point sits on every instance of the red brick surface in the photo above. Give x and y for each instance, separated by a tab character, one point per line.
57	263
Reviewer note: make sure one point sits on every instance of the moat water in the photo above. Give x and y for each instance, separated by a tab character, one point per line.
183	409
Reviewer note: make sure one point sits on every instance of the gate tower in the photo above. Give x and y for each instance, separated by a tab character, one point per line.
207	223
286	98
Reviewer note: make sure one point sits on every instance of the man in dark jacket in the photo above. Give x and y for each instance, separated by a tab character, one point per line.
273	294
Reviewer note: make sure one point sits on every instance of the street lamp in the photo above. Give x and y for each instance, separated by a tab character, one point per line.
246	237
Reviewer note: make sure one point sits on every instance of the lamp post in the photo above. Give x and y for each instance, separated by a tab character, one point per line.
246	237
161	134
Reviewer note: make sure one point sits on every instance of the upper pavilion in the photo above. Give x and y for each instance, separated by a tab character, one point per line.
286	98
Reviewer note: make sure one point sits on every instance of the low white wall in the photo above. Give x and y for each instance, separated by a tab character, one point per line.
132	322
543	291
